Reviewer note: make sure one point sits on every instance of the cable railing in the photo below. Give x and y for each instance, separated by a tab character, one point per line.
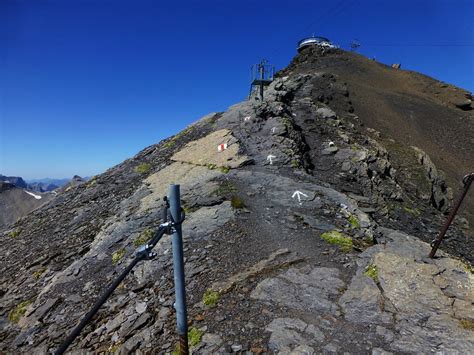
467	181
173	217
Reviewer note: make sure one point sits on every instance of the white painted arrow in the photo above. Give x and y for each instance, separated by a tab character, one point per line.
298	194
270	157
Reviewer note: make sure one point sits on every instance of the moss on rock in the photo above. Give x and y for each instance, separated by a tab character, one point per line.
372	272
18	312
337	238
143	168
210	298
117	256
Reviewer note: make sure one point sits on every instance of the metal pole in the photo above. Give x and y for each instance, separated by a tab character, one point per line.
262	71
178	266
467	183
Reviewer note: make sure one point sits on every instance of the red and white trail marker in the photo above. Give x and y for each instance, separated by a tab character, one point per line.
222	147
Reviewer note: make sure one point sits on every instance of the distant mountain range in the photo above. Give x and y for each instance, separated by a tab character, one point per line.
14	180
46	184
19	197
38	185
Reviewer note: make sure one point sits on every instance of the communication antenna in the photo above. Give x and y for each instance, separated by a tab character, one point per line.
354	45
262	75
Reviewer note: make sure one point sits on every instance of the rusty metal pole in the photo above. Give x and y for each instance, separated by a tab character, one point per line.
467	184
178	268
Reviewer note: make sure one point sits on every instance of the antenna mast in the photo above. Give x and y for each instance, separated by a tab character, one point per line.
262	75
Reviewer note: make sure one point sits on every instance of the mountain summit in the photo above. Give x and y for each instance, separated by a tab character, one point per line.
308	221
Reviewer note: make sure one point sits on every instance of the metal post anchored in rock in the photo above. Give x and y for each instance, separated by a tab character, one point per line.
467	181
178	266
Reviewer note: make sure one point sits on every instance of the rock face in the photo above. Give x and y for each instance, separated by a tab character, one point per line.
319	285
419	297
204	151
441	194
305	233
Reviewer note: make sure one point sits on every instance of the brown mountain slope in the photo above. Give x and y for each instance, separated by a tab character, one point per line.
15	202
409	107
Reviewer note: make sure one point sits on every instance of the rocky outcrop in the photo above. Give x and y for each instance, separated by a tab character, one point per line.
218	149
418	298
441	194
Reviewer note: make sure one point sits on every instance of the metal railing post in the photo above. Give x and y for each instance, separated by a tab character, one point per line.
178	269
437	242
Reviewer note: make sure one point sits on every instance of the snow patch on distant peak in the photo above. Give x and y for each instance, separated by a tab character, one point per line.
32	194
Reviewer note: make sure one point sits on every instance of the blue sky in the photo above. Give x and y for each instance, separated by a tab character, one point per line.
86	84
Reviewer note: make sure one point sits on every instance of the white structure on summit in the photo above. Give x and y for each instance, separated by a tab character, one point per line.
314	41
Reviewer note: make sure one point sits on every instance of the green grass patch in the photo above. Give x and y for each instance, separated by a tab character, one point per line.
225	188
143	238
467	324
143	168
18	312
194	336
188	209
415	212
173	140
117	256
15	233
113	348
372	272
224	169
38	273
287	123
468	267
237	202
170	144
339	239
295	163
210	298
354	222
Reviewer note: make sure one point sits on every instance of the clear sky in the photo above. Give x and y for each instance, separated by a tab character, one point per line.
85	84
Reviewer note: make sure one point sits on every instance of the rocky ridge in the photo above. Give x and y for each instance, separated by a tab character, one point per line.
340	267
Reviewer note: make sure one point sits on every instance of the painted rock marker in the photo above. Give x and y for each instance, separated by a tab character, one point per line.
270	158
298	194
247	118
222	147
